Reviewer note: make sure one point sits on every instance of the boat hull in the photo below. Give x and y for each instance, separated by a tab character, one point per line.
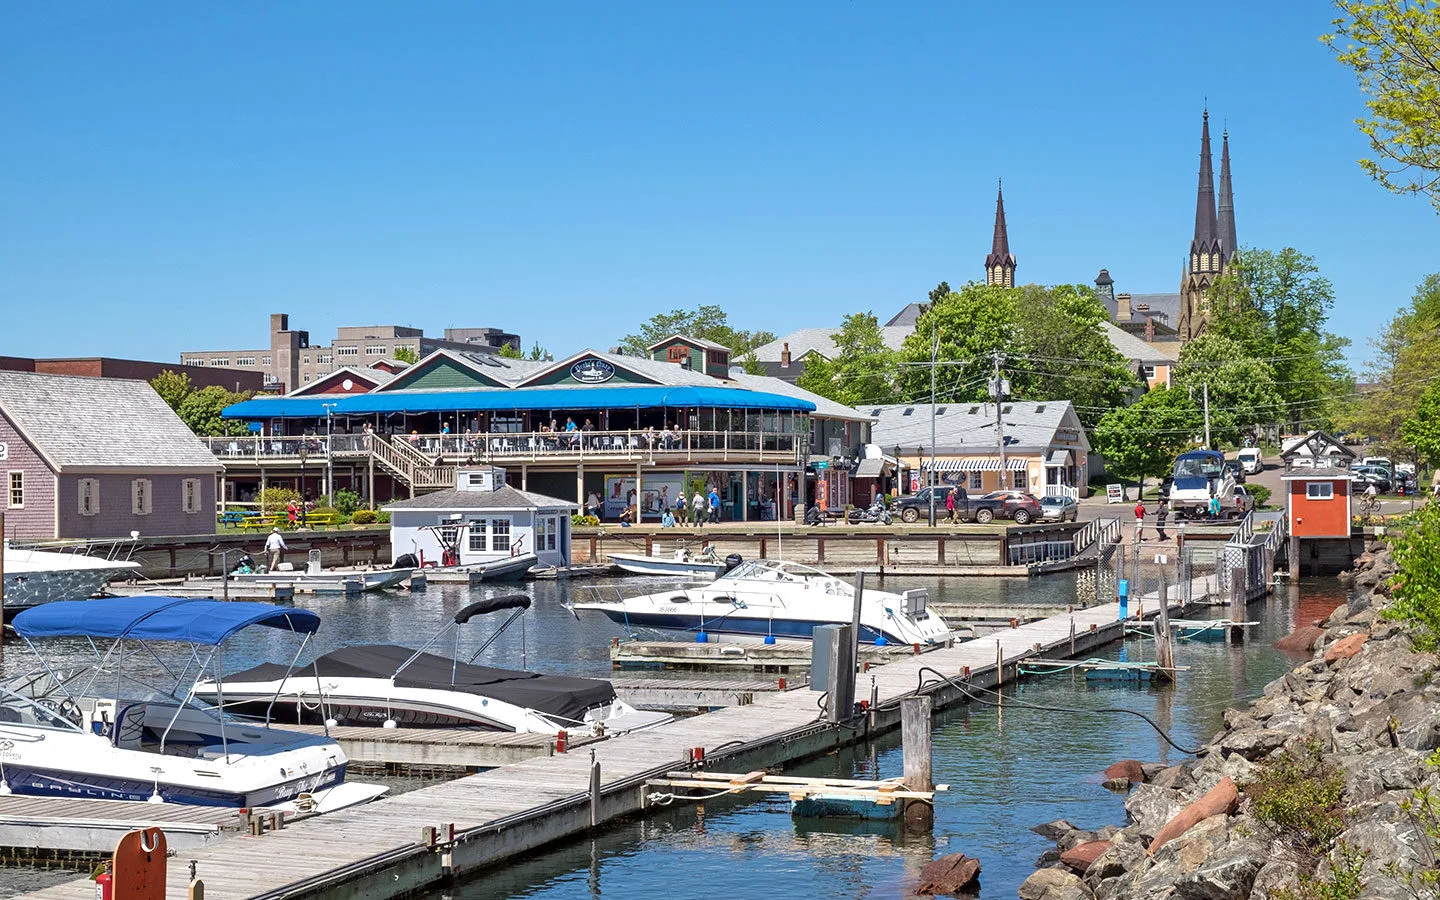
675	568
337	582
33	578
784	629
40	781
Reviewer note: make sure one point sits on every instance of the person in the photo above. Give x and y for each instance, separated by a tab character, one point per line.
680	506
627	515
1371	492
445	429
714	505
291	511
274	545
1162	512
667	519
587	437
1215	507
592	505
697	508
415	437
950	506
1139	521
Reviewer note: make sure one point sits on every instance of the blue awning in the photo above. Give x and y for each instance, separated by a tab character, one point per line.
501	400
207	622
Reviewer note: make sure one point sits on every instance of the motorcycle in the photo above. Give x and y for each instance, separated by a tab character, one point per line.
877	514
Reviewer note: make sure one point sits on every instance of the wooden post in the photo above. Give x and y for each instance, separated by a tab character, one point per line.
1164	651
915	747
855	613
594	790
1072	636
999	664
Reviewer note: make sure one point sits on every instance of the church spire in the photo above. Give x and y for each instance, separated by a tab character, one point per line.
1205	226
1000	264
1228	244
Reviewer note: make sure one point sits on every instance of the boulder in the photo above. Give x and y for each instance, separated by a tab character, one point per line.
1054	884
1254	743
1150	807
1054	830
1227	878
1345	648
1220	799
948	875
1419	722
1119	857
1303	639
1082	856
1131	770
1174	777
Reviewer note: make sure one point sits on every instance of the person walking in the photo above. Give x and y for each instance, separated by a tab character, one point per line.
291	511
592	505
697	508
680	507
714	506
950	506
1215	507
1139	521
274	546
1162	513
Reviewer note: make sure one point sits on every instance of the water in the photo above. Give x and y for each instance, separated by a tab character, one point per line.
1008	770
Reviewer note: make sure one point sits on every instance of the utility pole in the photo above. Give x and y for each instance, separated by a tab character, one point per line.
1207	415
934	358
998	389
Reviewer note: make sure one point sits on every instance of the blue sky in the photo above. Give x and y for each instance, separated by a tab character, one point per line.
173	172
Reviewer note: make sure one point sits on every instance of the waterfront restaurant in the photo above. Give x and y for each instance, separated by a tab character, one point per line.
605	429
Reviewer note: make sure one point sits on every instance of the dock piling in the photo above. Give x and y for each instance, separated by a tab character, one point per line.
594	790
915	734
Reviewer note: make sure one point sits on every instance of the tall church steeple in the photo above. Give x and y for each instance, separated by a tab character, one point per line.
1228	243
1000	264
1208	251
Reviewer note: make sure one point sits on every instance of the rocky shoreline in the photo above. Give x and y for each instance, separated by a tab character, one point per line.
1364	713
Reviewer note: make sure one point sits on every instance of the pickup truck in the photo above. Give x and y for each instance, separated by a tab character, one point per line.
912	507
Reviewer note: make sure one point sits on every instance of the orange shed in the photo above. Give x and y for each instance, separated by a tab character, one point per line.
1318	500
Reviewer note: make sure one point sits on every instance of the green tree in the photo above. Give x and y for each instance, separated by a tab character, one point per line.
201	411
752	365
406	355
510	351
1406	356
1242	389
173	387
538	352
1143	439
1415	587
1394	48
708	322
863	371
1422	429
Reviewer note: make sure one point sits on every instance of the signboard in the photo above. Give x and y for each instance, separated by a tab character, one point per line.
255	427
821	465
592	371
659	493
1114	493
914	483
677	353
4	451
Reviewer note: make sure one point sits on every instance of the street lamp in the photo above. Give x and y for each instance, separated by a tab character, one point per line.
329	452
303	453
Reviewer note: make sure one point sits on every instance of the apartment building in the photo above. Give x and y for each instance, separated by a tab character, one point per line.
291	361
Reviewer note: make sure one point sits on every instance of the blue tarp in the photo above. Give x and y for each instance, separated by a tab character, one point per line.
499	400
207	622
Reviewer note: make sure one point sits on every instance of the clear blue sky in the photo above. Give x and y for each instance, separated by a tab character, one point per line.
170	173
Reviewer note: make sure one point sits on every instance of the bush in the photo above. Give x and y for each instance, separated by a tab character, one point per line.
324	511
276	499
364	517
1261	493
346	502
580	521
1415	587
1299	799
382	517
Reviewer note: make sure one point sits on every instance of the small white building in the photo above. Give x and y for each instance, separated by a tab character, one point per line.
487	519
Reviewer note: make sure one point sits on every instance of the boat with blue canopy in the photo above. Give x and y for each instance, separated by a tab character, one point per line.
100	732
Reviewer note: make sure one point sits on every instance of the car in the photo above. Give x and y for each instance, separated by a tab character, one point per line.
1376	475
1241	502
912	507
1251	460
1381	461
1237	470
1021	506
1059	509
1363	480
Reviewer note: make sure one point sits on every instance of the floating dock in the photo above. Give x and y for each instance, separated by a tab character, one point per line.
207	589
461	748
781	656
94	826
387	848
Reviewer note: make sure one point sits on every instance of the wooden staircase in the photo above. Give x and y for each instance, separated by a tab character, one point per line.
410	466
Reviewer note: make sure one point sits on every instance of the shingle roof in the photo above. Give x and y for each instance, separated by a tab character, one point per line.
825	408
666	373
1166	305
506	497
100	423
1133	348
822	341
970	427
908	316
698	342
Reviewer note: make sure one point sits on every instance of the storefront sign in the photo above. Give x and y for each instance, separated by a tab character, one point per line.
4	451
821	465
592	371
1114	493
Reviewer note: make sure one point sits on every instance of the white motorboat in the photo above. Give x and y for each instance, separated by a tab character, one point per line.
770	598
33	577
683	564
92	732
390	686
510	568
335	581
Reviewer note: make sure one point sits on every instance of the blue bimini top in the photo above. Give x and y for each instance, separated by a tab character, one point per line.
205	622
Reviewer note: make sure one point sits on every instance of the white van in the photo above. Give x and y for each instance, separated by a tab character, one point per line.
1250	460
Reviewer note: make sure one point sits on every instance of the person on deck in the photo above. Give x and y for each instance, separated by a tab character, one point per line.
1215	507
274	546
697	508
1139	521
714	506
667	519
680	505
1162	513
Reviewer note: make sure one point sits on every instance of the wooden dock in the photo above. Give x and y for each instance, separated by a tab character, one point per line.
781	656
695	693
206	589
377	850
466	748
95	825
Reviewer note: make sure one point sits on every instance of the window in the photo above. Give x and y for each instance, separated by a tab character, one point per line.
1146	372
546	533
16	497
304	360
271	379
975	480
245	361
220	361
375	349
1018	480
89	496
499	535
477	536
307	376
345	351
1319	490
268	360
492	532
192	361
141	492
190	495
324	358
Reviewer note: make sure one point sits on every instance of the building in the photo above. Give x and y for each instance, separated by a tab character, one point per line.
99	458
291	361
1150	362
785	358
1317	502
237	380
1213	245
485	519
1046	449
594	423
1000	264
346	380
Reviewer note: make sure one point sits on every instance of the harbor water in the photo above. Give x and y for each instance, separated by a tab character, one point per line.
1008	768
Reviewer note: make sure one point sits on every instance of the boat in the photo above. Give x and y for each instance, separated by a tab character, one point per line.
510	568
391	686
94	732
33	577
775	599
683	564
334	581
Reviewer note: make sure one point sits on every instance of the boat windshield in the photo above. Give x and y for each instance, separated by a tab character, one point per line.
775	570
43	713
1199	466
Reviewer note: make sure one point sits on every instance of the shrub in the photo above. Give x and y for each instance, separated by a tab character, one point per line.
364	517
1299	799
346	502
276	499
1344	882
1261	493
324	511
1415	586
579	521
382	517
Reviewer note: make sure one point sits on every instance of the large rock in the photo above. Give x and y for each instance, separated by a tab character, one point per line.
948	875
1082	856
1150	807
1227	878
1054	884
1220	799
1254	743
1054	830
1418	719
1345	648
1301	640
1119	857
1131	770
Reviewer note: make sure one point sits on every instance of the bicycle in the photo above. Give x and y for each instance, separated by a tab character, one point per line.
1370	505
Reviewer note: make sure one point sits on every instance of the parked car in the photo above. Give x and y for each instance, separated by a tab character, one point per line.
1381	461
1059	509
1237	470
1376	475
1251	460
912	507
1241	502
1021	506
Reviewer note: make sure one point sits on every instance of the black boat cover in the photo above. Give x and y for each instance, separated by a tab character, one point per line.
491	604
563	696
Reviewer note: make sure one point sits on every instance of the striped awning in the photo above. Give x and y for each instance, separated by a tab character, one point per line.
973	464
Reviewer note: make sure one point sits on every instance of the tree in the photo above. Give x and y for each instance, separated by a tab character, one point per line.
1407	355
940	291
1422	430
172	387
406	355
201	411
863	371
1144	438
1242	389
707	322
752	365
538	352
510	351
1394	48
